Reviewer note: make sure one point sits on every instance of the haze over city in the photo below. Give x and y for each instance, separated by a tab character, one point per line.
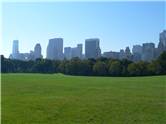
116	24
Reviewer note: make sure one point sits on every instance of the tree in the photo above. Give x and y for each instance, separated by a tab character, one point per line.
73	67
154	68
78	67
124	64
56	65
43	66
162	62
100	68
115	68
86	67
62	67
137	69
133	70
7	66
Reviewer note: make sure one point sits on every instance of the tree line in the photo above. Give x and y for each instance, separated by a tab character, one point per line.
87	67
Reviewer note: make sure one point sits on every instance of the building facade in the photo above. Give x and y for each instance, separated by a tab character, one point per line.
92	48
55	49
111	54
79	49
137	52
70	53
128	54
121	54
37	51
15	49
148	51
67	53
163	37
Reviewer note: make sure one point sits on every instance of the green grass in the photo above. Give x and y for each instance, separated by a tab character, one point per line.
60	99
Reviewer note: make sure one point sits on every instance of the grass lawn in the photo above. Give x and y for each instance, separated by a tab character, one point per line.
60	99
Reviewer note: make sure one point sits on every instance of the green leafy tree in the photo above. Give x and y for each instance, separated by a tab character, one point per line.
124	64
115	68
139	68
43	66
154	68
78	67
7	65
100	68
162	62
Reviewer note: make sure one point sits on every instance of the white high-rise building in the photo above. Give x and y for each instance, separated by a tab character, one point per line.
15	49
162	43
148	51
137	49
92	48
163	37
37	51
67	53
137	52
73	52
79	49
55	49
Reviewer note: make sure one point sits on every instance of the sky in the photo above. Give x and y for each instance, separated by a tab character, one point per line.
116	24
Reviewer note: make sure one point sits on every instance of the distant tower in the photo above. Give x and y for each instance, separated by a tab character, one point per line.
163	37
121	54
137	49
67	53
79	47
162	43
92	48
37	51
15	50
127	53
148	51
55	49
137	52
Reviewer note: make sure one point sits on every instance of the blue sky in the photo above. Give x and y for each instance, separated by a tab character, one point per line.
117	24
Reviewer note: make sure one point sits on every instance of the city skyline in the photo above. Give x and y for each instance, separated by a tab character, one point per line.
56	50
116	24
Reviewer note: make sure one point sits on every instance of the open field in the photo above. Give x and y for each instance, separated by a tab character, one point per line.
60	99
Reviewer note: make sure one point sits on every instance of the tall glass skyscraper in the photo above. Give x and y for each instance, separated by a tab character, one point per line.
92	48
15	49
148	51
67	53
55	49
37	51
79	47
163	37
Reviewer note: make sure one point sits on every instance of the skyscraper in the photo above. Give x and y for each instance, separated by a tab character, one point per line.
37	51
163	37
55	49
67	53
92	48
137	52
121	54
127	53
160	48
15	50
73	52
148	51
162	43
127	50
79	49
137	49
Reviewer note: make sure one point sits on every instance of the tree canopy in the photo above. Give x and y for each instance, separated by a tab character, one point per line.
76	66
